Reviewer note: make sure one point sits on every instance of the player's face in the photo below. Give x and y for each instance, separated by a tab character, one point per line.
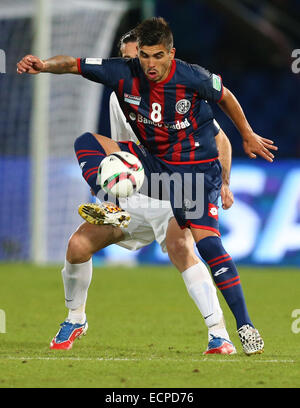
129	50
156	61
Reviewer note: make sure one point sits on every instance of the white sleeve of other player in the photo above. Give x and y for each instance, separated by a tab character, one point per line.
120	128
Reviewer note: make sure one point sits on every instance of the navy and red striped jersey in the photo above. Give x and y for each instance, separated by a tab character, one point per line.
172	118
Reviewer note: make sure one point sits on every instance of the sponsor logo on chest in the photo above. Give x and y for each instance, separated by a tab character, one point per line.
177	125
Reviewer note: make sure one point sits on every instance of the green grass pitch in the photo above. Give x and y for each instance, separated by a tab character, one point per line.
144	331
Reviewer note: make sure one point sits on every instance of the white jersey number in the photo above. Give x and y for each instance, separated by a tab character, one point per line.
156	112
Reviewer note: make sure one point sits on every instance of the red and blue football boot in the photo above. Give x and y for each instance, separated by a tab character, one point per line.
66	335
218	345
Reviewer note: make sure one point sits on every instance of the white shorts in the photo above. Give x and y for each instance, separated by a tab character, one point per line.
147	224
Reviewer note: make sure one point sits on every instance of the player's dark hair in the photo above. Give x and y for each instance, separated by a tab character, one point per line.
153	31
130	36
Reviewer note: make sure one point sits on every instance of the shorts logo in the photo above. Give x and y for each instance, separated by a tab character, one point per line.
182	106
213	211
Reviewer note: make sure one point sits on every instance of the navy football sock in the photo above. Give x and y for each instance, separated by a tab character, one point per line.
225	276
89	154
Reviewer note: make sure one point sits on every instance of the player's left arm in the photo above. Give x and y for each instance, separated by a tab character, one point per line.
225	155
253	144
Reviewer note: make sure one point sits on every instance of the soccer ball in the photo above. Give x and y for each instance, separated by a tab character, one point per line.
121	174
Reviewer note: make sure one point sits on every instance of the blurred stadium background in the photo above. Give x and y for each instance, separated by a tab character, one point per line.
248	42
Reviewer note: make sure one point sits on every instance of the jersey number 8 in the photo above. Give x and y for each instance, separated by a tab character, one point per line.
156	112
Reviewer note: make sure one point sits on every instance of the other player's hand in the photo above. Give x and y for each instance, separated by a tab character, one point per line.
226	197
30	65
256	145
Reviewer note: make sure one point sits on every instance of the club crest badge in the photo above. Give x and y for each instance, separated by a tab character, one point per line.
182	106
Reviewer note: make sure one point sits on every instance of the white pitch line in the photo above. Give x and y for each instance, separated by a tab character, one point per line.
204	360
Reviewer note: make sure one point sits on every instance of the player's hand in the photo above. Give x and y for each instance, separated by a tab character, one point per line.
256	145
30	65
226	197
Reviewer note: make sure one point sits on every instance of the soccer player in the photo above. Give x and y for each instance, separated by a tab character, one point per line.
148	223
143	229
165	100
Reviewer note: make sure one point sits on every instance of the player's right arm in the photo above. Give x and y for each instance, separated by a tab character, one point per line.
60	64
253	143
210	87
104	71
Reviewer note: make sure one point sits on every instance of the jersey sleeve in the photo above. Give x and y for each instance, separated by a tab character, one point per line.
209	86
105	71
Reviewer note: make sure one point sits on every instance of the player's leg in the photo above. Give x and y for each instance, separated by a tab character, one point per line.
90	150
180	246
224	273
77	272
77	276
152	165
205	230
227	279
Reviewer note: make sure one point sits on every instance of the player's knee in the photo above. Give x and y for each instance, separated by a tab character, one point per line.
83	141
78	251
214	242
178	248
